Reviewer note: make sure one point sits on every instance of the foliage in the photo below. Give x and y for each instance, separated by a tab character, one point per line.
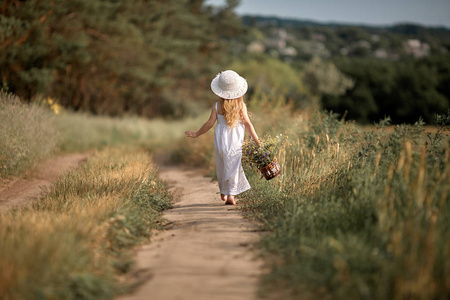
112	57
323	78
262	155
434	141
366	72
403	90
27	135
268	75
74	243
355	214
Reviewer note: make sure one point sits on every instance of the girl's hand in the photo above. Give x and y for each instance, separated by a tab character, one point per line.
257	142
191	134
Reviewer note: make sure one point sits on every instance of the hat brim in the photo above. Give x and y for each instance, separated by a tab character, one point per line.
236	93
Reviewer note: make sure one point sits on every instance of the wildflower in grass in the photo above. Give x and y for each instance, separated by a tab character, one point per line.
53	105
264	154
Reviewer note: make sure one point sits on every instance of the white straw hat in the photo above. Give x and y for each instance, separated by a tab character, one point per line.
229	85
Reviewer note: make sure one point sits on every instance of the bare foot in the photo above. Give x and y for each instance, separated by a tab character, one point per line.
223	197
230	200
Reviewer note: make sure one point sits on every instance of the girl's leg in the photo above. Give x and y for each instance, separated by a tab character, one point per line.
230	200
220	167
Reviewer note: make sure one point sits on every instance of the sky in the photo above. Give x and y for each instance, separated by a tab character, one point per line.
368	12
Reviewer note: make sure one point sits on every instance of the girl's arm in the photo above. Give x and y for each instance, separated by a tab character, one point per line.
249	126
207	126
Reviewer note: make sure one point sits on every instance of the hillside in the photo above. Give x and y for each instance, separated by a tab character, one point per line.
335	39
363	72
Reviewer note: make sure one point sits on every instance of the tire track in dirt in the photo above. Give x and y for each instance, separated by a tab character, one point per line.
22	191
208	251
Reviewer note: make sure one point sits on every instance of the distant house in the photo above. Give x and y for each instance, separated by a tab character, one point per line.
380	53
278	39
288	51
278	44
416	48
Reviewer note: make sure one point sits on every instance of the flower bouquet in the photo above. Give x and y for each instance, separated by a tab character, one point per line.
263	157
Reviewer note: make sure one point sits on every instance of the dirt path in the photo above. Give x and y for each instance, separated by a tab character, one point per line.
22	191
207	253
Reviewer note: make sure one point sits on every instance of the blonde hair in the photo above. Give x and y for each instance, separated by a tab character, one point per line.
232	110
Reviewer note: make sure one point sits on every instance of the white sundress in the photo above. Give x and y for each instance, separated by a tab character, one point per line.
228	149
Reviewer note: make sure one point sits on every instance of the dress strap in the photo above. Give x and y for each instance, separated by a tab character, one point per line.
216	108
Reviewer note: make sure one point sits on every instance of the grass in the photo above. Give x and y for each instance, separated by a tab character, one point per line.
357	213
81	132
27	135
74	243
32	132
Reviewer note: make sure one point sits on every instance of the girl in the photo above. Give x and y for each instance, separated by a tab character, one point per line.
232	121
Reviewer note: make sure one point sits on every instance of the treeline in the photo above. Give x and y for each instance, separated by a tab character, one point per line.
110	57
336	36
403	90
401	71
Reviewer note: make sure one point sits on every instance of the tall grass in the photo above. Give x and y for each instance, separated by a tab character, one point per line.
356	215
74	243
81	132
27	134
31	132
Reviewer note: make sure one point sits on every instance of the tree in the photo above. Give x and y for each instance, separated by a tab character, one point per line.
107	56
405	90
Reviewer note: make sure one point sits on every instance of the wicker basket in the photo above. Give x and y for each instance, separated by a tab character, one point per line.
271	170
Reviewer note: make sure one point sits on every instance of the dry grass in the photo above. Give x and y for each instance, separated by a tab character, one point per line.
27	134
74	243
356	215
